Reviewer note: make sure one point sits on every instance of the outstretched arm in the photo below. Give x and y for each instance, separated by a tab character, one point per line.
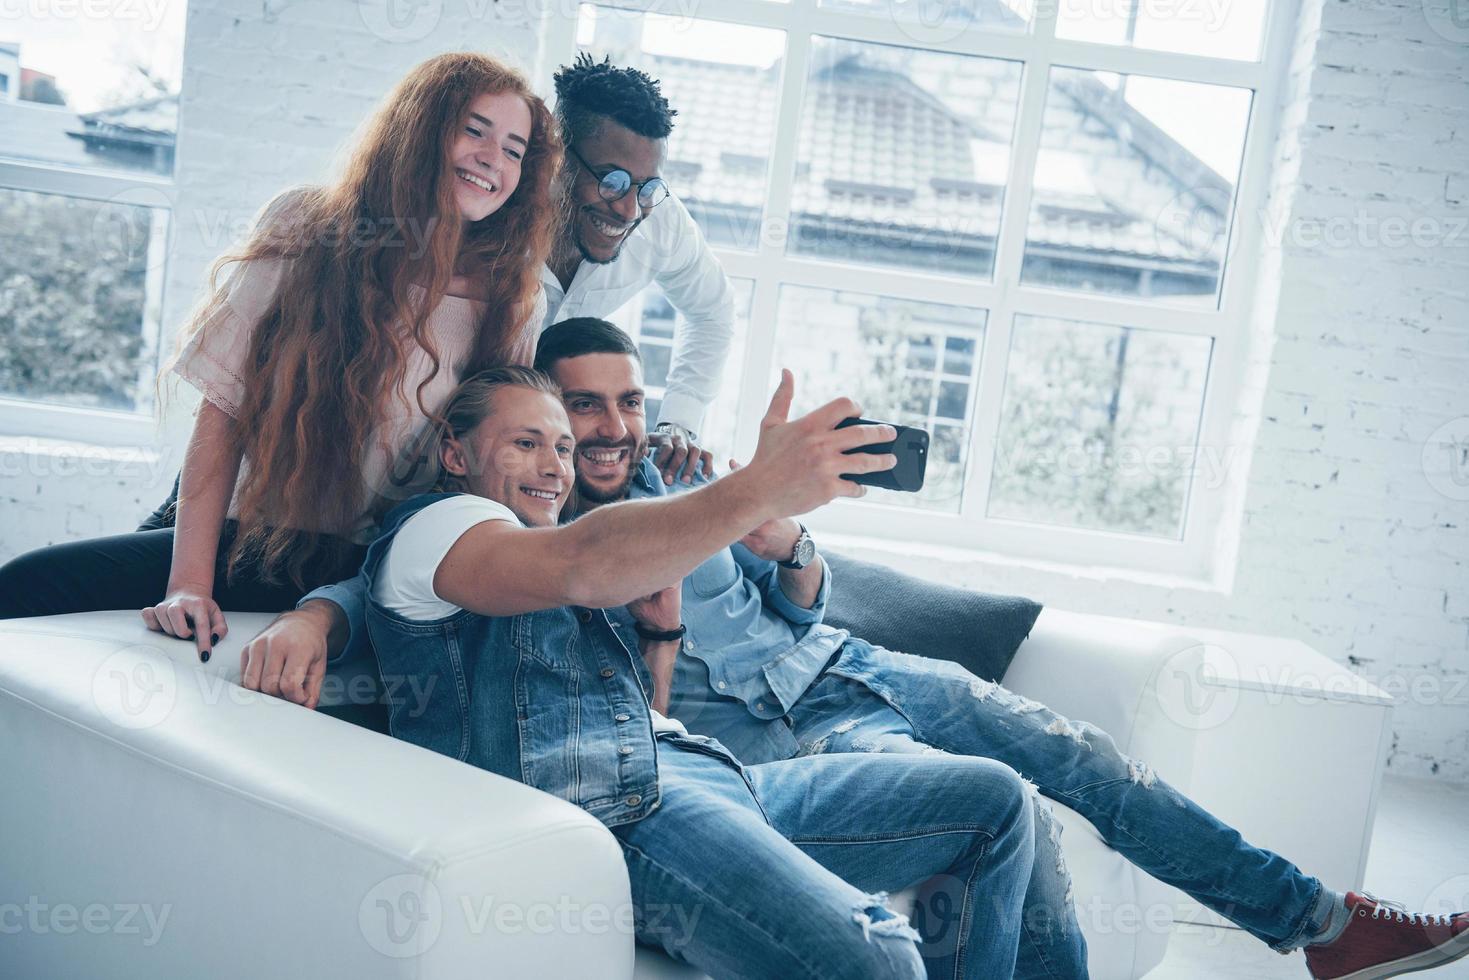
624	551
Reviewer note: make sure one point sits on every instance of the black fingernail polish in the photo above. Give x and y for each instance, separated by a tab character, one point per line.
214	638
204	656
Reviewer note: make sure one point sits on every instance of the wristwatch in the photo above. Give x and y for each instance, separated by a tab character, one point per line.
804	553
689	434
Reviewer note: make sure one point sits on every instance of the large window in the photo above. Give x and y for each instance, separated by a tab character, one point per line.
88	118
1014	224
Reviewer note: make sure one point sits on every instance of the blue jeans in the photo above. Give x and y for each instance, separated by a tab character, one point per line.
875	700
778	870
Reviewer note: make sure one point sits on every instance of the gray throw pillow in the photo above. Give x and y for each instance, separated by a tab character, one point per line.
979	631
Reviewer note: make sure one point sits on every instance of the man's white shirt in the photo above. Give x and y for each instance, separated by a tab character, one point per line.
667	248
405	579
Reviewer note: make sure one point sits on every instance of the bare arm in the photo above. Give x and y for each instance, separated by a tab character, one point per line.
608	558
208	479
211	465
803	585
621	552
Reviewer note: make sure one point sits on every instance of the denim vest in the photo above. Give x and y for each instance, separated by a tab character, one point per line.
551	699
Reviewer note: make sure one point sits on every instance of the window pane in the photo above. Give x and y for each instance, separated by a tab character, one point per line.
656	358
843	343
91	92
1134	185
79	288
651	320
935	21
903	157
724	80
1098	426
1219	29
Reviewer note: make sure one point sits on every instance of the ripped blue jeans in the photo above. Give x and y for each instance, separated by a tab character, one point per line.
779	870
872	700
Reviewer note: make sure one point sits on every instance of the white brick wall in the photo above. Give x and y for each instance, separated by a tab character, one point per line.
1359	354
1359	351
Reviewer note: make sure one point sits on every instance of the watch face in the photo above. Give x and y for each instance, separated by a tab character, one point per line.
805	550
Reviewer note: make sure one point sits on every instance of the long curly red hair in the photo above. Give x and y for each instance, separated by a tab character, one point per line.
334	345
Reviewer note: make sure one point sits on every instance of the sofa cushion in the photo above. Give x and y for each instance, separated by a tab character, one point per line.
976	630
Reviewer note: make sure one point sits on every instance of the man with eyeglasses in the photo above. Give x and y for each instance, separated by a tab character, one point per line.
625	230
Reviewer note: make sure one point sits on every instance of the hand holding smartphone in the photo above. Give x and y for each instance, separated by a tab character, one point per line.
911	448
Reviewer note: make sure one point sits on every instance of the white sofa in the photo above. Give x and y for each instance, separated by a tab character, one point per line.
159	821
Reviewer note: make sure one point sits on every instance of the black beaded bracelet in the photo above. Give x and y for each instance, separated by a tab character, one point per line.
660	636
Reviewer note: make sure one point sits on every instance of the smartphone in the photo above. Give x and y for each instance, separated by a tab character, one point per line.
911	448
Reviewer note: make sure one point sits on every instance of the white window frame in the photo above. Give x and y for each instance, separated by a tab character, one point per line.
27	417
1193	557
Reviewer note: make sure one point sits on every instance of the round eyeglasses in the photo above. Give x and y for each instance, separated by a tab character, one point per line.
614	184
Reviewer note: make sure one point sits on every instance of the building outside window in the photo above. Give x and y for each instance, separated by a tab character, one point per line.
1017	228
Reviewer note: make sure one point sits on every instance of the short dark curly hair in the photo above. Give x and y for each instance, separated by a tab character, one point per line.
588	91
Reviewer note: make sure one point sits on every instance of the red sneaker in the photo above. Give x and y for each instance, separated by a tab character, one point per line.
1384	940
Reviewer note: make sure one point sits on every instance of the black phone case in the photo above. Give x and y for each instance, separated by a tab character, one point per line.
911	448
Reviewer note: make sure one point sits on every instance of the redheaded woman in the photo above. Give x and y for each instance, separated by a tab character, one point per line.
348	316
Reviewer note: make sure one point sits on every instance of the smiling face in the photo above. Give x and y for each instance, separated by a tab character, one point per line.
519	455
486	155
603	394
600	228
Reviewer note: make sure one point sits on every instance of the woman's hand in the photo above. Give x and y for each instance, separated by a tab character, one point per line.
189	613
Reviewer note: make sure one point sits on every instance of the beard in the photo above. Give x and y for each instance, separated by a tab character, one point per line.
587	256
588	493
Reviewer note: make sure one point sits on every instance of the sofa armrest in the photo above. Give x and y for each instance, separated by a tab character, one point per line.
192	827
1126	676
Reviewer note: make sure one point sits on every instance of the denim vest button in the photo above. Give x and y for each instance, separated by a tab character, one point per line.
634	800
722	685
624	717
759	705
625	750
607	671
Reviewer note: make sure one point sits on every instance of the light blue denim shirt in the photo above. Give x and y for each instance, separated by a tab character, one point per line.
750	652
